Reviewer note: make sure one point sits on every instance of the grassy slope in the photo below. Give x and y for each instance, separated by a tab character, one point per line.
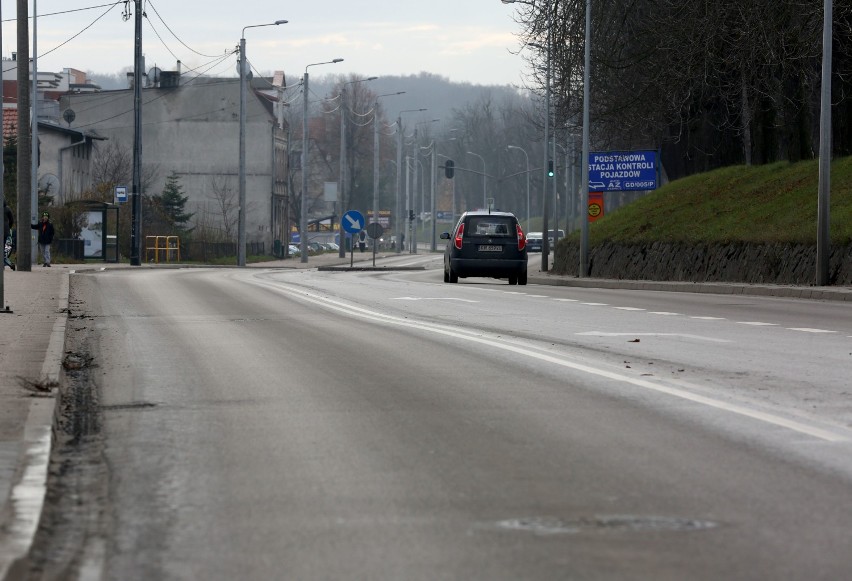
769	203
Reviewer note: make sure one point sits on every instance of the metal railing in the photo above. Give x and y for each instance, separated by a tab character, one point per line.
162	249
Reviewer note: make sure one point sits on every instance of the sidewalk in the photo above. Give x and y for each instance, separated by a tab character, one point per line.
32	346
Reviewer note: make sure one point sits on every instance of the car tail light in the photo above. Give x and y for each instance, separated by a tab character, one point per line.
522	239
459	235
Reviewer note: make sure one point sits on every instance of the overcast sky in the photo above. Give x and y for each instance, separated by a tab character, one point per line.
463	40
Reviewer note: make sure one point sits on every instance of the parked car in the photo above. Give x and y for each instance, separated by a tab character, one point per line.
294	250
554	236
486	244
534	241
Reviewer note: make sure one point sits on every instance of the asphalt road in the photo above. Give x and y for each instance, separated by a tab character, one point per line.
324	425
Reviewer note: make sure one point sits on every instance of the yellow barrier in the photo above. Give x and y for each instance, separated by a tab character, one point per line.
169	246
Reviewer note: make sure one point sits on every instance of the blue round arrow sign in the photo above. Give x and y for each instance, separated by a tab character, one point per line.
353	221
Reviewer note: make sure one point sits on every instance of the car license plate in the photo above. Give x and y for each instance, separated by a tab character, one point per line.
490	248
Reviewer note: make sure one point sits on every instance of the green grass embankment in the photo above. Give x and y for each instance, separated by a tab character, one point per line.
774	203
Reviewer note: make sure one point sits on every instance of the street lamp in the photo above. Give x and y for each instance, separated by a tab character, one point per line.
484	191
545	243
413	227
376	160
342	188
303	222
243	64
584	162
522	150
399	222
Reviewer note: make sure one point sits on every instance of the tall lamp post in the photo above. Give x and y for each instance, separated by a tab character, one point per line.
303	222
413	226
824	184
522	150
376	157
343	172
484	189
244	73
399	222
584	160
545	243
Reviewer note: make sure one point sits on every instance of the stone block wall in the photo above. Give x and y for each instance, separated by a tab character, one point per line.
734	262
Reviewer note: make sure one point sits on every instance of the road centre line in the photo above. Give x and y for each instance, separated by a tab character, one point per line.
479	338
757	324
628	309
595	304
664	313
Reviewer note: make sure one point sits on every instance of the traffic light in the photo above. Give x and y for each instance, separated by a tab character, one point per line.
411	216
550	168
449	169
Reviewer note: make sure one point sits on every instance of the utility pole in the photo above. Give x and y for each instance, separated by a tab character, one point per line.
34	134
824	188
136	197
25	217
3	307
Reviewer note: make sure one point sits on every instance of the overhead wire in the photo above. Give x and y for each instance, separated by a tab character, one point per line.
175	35
60	45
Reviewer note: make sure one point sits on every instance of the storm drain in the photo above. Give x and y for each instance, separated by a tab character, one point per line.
604	524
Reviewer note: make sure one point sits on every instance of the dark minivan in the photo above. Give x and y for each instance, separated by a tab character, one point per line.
487	244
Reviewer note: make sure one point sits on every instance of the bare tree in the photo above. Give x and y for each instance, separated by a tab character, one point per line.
227	205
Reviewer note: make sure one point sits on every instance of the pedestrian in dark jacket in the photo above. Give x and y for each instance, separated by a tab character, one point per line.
45	236
8	223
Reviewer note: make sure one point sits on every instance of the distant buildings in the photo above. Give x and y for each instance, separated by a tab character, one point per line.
189	127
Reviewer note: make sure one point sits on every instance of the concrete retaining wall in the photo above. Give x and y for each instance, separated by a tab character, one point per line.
734	262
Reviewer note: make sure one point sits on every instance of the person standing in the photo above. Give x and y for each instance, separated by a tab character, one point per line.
8	224
45	236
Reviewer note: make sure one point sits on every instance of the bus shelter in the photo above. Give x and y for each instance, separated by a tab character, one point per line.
98	223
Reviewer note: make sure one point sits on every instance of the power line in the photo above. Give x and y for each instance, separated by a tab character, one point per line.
114	4
79	33
154	8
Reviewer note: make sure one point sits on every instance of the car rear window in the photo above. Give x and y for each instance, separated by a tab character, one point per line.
491	226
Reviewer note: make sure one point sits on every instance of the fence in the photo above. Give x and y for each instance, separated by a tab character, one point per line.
201	251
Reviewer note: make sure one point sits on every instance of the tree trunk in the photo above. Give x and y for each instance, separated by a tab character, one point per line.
746	119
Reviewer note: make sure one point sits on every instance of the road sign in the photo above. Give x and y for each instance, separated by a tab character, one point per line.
375	230
596	206
120	194
622	171
353	221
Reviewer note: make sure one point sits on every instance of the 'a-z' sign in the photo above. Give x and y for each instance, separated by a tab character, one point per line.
619	171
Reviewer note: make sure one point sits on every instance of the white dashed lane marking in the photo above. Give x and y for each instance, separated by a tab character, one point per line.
670	314
806	330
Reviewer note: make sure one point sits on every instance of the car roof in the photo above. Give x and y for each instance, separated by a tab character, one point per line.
487	213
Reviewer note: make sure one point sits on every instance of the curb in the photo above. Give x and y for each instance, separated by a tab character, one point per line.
368	268
28	494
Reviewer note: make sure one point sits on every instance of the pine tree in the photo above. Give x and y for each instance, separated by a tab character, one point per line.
172	204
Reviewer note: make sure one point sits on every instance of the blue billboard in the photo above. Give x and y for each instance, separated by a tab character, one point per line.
622	171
